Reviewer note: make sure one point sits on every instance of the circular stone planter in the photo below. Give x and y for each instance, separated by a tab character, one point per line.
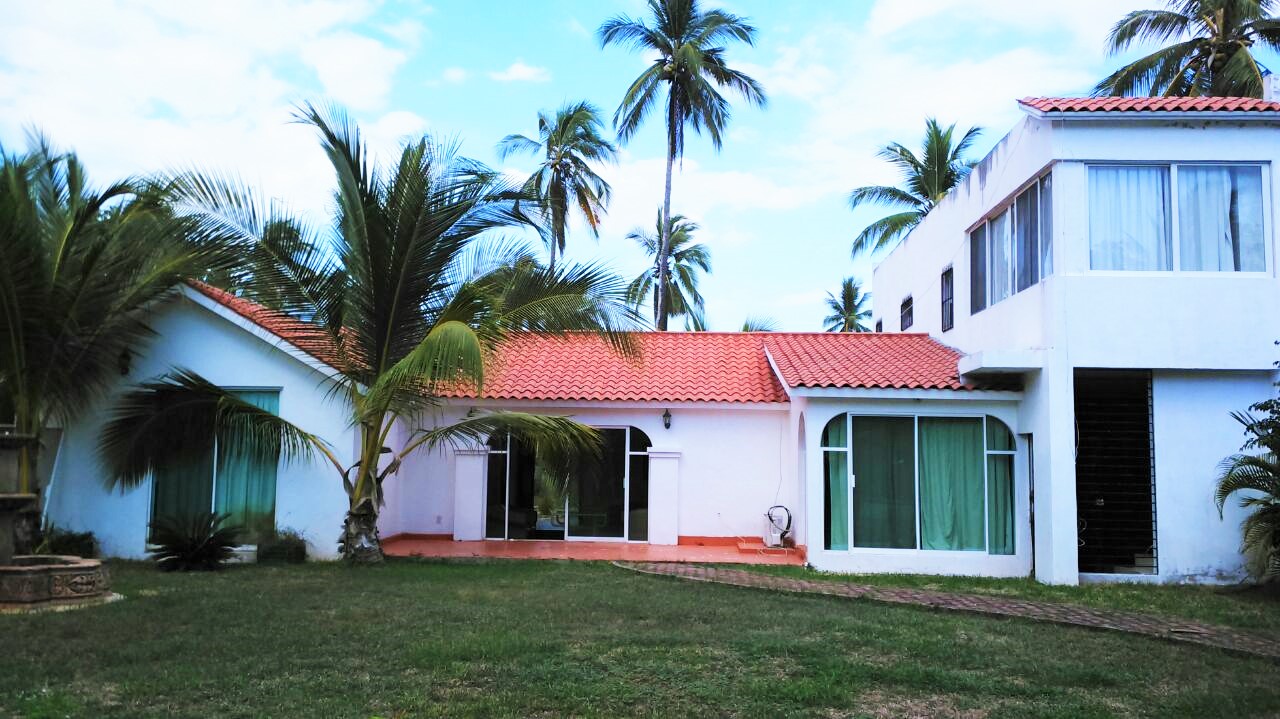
34	582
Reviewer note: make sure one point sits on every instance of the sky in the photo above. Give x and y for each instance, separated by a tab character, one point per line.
137	87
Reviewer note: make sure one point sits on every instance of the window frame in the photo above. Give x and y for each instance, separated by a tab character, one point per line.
948	294
1175	230
906	314
214	464
1008	207
918	550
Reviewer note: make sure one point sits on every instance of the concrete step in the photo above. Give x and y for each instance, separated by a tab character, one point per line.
756	546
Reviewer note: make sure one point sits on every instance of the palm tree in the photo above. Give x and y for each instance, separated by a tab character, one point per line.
927	179
1212	48
80	269
406	296
759	324
689	43
564	180
685	261
849	309
1258	476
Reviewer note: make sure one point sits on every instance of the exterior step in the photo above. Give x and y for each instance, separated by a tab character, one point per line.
756	546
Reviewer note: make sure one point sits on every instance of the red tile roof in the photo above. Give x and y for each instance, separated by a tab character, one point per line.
301	335
671	366
1149	104
864	360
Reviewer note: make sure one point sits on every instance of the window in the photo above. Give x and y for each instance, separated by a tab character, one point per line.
219	477
948	300
918	482
879	325
905	319
1013	249
1180	217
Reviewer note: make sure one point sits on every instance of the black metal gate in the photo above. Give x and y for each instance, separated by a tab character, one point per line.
1115	481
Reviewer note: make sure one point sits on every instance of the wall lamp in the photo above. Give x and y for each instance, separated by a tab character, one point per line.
666	419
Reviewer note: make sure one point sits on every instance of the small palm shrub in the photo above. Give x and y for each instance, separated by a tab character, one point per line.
199	542
1256	477
282	545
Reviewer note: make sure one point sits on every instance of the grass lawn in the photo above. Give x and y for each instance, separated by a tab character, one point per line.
1233	606
507	638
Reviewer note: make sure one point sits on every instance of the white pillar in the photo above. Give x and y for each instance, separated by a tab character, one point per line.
468	493
664	496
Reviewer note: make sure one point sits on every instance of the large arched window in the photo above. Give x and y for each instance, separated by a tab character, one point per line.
918	482
603	497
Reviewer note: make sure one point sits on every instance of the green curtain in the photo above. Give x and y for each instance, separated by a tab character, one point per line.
951	483
246	484
836	502
1000	503
182	488
884	503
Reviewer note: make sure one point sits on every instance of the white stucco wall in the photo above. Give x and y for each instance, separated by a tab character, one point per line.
1196	325
733	464
309	496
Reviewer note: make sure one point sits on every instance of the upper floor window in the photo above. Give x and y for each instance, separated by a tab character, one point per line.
1013	249
905	315
948	300
1176	217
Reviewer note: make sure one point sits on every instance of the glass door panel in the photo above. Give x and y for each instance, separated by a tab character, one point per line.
884	471
597	499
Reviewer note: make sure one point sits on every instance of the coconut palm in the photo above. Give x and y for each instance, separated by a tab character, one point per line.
689	43
849	308
759	324
406	296
80	268
1210	51
926	179
1257	477
569	143
685	262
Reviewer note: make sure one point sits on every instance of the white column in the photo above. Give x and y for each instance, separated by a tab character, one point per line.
468	493
664	496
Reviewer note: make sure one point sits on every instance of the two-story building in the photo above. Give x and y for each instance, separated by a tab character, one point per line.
1116	258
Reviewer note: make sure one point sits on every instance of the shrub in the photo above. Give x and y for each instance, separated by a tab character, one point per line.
1255	474
197	542
65	541
283	545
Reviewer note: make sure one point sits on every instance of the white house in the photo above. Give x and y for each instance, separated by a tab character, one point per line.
1084	312
1116	258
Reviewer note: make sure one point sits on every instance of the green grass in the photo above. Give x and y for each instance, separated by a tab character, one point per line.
577	639
1234	606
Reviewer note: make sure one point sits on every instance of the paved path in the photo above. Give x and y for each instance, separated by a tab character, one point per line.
1162	627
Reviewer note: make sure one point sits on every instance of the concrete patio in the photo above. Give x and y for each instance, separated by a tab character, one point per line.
744	551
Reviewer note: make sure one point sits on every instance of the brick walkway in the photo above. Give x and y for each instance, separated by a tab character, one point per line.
1153	626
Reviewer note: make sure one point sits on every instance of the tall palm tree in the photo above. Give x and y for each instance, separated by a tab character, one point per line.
1257	477
926	178
406	297
685	261
849	308
759	324
1211	50
80	268
689	43
569	143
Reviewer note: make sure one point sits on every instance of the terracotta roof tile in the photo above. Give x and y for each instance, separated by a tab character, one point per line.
290	329
865	360
1149	104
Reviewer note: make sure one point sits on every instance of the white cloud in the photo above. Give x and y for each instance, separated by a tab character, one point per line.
518	71
454	75
355	70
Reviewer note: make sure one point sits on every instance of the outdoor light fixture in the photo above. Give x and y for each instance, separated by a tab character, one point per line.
666	419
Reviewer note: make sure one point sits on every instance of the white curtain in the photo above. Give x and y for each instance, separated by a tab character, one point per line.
1220	218
1129	218
1000	241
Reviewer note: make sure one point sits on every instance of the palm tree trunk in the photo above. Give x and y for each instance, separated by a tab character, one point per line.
360	543
664	247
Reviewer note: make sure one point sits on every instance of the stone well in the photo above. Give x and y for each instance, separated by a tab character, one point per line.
33	582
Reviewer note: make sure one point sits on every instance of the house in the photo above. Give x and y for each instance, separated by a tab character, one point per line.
1051	397
1116	257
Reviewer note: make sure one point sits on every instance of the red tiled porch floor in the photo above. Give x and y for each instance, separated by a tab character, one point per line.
411	546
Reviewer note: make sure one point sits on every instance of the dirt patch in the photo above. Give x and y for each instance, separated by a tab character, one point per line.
883	705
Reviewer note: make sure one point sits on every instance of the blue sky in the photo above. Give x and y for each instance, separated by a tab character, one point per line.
137	87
